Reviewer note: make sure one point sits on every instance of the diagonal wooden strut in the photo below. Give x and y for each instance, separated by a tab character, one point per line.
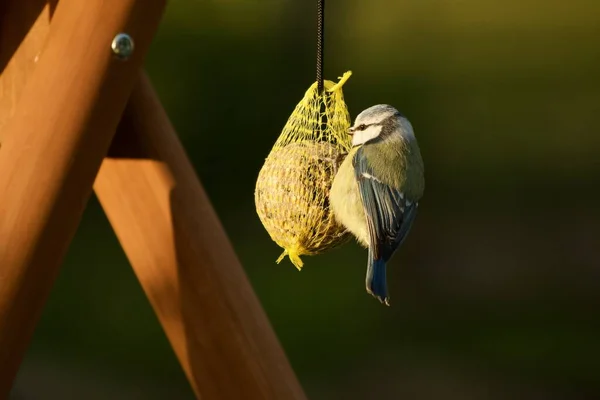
56	130
185	262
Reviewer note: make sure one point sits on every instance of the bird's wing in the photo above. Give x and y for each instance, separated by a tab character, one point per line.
389	213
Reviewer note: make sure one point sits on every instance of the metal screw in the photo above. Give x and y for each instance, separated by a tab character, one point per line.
122	46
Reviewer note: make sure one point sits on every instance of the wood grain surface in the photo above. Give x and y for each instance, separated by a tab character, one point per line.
24	26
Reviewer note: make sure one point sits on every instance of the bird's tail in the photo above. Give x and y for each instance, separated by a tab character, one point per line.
376	281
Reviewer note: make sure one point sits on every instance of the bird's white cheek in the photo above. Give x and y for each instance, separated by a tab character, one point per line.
361	137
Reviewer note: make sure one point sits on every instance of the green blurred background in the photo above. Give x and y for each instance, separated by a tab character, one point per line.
495	293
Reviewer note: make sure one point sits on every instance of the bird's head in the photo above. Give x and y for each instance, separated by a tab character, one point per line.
378	123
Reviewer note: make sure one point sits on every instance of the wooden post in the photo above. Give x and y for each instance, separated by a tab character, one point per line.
185	262
52	148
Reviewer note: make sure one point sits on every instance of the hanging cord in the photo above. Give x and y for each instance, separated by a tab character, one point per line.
320	42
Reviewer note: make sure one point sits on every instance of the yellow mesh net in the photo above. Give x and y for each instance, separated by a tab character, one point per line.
292	189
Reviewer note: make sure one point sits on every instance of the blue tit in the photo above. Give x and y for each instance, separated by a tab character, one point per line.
376	191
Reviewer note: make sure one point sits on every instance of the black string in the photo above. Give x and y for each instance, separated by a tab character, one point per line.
320	42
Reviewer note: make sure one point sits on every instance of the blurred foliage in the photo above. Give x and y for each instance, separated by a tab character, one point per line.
494	294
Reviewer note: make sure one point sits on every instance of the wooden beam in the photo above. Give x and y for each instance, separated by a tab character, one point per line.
52	149
185	262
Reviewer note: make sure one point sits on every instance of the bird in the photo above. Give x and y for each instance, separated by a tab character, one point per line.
376	191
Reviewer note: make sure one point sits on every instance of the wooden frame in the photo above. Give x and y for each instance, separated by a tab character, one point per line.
63	95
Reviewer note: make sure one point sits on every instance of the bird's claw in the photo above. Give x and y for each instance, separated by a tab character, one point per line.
382	300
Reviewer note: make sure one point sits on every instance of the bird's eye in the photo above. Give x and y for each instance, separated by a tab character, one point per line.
361	127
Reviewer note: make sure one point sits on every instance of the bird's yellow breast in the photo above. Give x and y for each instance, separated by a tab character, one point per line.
346	202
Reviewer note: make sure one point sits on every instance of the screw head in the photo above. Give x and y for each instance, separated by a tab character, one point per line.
122	46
